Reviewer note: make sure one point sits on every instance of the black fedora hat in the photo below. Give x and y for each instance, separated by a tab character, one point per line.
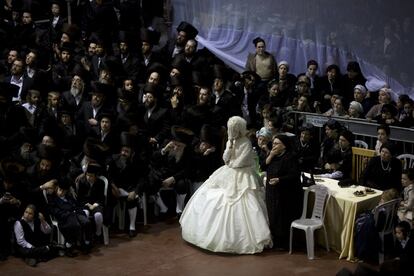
182	134
189	29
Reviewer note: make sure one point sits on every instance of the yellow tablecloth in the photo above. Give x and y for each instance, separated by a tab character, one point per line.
343	207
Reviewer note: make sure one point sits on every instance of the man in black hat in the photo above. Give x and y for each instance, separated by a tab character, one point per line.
129	61
247	93
91	194
19	78
149	38
91	110
127	174
170	168
185	31
207	155
222	99
12	116
195	116
107	133
156	118
62	70
75	97
156	74
98	59
26	154
193	57
43	174
72	132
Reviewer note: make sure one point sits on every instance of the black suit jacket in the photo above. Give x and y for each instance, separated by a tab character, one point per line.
27	84
158	124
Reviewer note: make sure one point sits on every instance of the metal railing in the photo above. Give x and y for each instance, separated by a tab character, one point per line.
363	129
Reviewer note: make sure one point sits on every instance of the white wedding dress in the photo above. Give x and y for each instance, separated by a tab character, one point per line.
228	213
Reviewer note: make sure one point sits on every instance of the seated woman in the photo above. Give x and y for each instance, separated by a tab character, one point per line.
32	234
339	159
405	212
332	130
383	172
383	136
227	213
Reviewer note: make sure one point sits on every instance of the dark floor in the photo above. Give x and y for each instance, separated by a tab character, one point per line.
161	251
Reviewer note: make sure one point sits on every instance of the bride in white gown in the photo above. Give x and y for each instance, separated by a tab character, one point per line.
228	213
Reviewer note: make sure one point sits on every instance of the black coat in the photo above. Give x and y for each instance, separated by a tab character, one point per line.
285	199
91	194
375	176
158	124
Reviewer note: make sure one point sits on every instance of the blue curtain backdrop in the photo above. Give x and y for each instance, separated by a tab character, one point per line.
379	34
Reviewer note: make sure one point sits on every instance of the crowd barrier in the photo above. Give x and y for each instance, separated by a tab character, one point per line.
363	129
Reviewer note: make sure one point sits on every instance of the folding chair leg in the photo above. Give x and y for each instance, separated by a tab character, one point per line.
144	208
326	239
121	215
105	232
310	244
290	240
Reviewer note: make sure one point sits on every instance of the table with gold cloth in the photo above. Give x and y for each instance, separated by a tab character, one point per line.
343	207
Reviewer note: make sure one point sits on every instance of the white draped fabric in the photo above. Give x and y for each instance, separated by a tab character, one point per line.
378	34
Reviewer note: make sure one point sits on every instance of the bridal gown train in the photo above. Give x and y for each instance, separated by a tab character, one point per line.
228	213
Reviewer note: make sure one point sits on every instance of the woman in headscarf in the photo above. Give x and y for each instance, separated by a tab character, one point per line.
227	213
284	194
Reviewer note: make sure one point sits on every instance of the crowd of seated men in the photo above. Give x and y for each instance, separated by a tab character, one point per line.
99	97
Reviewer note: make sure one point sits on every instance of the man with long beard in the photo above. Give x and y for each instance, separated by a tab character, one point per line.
74	98
156	121
43	175
127	173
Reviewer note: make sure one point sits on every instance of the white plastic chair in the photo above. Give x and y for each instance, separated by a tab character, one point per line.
361	144
105	229
407	160
388	218
59	235
316	221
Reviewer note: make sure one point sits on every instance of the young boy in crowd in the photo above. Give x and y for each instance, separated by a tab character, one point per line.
32	234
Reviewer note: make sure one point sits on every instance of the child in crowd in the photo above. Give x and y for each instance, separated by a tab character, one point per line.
403	252
32	234
405	212
72	220
366	237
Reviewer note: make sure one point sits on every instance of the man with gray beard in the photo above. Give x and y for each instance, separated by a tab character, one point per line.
74	98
